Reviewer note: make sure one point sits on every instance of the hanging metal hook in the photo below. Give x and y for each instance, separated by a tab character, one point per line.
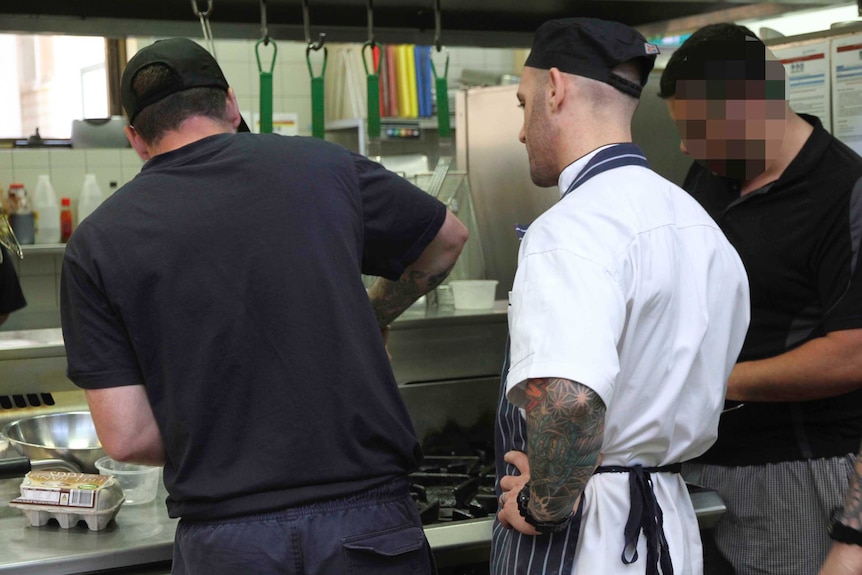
369	8
311	46
206	29
437	25
264	31
202	14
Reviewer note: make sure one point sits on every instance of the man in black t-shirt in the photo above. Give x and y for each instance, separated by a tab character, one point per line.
11	296
787	195
213	310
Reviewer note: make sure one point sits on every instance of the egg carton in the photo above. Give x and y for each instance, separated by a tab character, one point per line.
69	498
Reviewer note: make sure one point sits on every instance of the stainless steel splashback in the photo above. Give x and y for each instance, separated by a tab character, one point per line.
487	126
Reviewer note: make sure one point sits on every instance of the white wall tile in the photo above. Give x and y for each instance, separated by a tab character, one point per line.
28	177
98	158
240	76
67	182
292	52
232	51
302	108
30	159
66	158
107	175
130	158
6	159
128	174
6	172
292	79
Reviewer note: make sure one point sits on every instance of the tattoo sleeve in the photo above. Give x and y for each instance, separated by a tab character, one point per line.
390	298
565	426
851	516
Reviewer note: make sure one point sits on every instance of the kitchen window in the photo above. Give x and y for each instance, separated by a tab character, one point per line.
49	81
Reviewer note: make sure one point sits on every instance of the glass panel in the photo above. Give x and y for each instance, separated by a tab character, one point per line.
50	81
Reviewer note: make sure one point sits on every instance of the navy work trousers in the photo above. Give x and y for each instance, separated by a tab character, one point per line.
377	532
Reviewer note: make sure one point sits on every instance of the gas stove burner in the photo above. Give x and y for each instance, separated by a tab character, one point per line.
450	489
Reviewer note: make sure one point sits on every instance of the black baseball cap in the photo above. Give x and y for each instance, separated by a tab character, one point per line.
191	66
591	48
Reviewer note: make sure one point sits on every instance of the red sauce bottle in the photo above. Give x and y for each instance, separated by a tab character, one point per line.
65	219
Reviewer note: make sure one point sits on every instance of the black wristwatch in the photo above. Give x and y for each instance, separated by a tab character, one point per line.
842	533
543	527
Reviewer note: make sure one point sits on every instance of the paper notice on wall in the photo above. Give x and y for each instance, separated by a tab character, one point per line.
809	78
284	123
847	90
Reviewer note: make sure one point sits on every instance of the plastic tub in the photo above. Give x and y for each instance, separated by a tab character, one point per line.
473	294
139	482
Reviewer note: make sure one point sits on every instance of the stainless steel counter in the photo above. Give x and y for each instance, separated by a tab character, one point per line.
447	363
143	535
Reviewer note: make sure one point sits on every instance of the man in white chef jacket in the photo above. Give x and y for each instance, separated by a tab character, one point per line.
627	313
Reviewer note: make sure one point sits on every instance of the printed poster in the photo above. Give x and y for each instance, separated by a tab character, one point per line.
846	56
808	78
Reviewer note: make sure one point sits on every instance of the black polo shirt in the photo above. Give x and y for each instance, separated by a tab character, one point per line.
799	239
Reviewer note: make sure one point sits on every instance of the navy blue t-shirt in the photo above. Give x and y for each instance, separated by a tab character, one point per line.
226	278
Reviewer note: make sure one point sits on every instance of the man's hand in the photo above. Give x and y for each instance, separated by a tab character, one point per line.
509	516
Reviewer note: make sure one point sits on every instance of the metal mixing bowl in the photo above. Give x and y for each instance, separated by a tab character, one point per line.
70	436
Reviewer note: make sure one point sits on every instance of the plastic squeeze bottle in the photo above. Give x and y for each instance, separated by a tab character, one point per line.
91	197
46	210
65	219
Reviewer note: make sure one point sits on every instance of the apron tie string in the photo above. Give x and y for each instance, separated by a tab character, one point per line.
645	515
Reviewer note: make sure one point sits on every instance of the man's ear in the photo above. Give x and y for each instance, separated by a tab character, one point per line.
556	88
137	143
232	109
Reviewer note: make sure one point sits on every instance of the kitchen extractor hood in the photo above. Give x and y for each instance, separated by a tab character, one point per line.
500	23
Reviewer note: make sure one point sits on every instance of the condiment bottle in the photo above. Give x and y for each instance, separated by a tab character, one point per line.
65	219
21	216
46	211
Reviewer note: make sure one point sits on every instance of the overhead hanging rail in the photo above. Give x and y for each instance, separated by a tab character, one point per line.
317	92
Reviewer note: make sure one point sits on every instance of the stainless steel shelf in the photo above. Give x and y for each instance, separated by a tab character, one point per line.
43	249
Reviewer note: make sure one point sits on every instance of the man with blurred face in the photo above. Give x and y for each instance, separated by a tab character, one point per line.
787	195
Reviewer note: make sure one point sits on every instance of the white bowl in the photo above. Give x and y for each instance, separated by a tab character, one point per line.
139	482
473	294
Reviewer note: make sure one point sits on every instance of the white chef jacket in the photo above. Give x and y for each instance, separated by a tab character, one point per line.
627	286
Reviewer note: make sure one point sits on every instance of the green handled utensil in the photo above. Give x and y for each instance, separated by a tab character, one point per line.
265	86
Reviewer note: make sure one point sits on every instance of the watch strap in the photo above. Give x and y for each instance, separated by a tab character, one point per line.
543	527
843	533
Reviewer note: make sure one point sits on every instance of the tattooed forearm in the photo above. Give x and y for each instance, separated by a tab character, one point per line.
565	426
852	513
389	299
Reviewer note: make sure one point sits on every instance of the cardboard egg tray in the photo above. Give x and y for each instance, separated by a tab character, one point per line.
69	498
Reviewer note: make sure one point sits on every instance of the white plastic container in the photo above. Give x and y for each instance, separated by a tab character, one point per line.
139	482
91	197
473	294
46	210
